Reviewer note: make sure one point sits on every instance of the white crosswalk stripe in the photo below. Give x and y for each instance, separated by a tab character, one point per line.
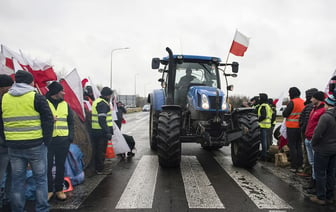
199	191
139	192
262	196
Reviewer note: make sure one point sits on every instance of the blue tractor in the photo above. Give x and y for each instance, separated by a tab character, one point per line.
191	107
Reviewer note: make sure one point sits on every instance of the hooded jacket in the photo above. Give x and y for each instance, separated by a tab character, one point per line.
324	138
41	106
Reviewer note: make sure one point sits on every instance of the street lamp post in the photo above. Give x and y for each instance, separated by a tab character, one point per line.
135	84
113	50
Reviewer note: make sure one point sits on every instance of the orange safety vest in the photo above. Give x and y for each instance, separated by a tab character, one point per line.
292	121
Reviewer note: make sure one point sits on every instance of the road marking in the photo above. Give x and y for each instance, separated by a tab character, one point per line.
262	196
139	192
199	191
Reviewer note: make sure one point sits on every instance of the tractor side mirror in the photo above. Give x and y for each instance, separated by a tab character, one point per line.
235	67
155	63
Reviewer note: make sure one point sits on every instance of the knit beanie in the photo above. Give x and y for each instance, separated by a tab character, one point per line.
310	92
23	77
263	98
54	88
330	100
319	95
106	91
5	80
294	92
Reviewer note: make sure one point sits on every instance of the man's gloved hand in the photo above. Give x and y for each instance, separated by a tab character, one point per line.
109	136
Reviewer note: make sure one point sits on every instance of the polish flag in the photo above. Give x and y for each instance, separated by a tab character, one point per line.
41	71
4	69
239	44
12	60
72	85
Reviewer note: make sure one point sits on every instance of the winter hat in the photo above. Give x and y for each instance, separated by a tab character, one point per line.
294	92
54	88
310	92
330	100
106	91
23	77
5	80
263	98
319	95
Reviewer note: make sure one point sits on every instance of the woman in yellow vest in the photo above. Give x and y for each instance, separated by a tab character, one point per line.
264	118
102	129
62	136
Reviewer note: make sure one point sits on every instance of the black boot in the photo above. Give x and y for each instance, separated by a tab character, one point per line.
311	184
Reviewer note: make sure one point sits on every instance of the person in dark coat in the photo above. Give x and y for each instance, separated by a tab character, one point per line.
28	125
120	114
5	169
324	145
63	135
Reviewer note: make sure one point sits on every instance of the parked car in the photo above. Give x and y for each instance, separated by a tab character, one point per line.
146	108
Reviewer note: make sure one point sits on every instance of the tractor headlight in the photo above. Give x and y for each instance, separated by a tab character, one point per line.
225	106
205	102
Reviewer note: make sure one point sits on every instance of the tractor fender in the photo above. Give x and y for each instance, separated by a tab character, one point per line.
156	99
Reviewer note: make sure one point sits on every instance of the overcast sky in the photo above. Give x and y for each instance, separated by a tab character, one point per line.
292	42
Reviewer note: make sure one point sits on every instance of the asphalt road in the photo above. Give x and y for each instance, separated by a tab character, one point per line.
206	181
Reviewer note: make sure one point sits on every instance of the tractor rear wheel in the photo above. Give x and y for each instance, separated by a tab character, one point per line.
168	139
245	151
153	125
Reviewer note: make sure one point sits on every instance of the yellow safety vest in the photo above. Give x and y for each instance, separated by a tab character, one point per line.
266	123
60	116
21	120
94	122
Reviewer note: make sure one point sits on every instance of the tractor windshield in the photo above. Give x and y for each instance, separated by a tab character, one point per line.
188	74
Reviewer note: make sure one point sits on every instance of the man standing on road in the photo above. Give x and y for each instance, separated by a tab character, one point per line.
62	137
5	83
102	128
324	145
28	125
264	118
315	114
120	114
292	115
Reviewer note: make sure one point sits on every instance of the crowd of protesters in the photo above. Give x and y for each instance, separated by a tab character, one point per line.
310	135
36	132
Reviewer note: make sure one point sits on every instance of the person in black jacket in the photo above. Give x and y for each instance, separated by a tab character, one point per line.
121	110
5	83
63	135
27	123
324	145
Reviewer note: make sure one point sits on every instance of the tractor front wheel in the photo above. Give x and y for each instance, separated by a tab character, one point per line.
245	151
168	139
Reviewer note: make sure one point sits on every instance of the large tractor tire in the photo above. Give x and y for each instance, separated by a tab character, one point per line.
168	135
83	140
153	125
245	151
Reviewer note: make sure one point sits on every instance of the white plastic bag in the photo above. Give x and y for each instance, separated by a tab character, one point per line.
119	143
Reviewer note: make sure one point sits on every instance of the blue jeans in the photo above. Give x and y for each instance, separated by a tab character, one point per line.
37	158
325	165
263	138
310	155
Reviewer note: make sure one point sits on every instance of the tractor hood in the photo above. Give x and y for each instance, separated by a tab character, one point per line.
206	98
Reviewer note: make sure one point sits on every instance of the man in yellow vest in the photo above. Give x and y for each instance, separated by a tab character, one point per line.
63	135
102	128
264	118
28	125
292	114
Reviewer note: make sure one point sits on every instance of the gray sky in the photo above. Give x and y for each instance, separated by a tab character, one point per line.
292	42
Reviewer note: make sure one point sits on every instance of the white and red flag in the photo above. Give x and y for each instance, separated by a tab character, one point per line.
72	86
239	44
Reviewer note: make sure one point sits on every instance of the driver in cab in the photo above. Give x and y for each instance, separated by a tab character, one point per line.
185	80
